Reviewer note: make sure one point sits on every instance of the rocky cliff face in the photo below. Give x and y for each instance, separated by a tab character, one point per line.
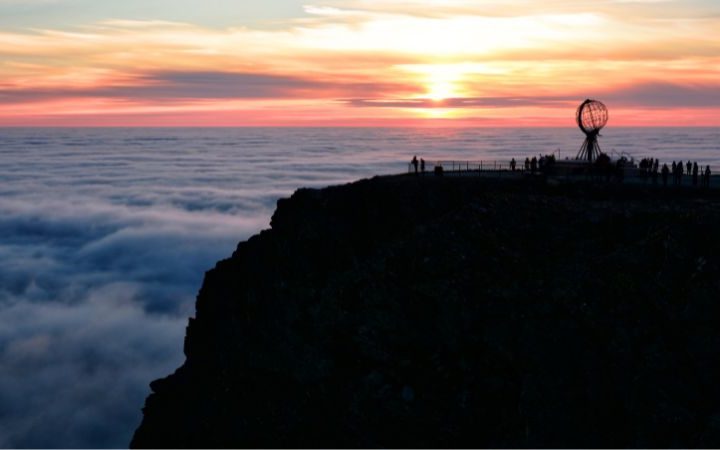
431	312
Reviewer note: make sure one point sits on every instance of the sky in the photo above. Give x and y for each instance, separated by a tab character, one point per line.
357	62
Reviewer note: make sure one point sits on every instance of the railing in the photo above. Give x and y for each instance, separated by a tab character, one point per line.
459	167
494	166
501	167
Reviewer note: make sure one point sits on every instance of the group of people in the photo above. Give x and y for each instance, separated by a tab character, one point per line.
650	168
532	165
418	165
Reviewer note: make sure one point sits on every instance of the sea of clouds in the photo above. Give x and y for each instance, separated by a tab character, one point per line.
105	235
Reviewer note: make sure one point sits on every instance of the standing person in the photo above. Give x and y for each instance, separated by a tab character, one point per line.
527	164
533	165
665	173
707	176
689	167
655	170
674	172
414	162
681	172
695	173
422	165
513	164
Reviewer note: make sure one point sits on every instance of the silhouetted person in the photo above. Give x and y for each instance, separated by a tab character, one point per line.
415	164
689	167
655	170
695	174
665	173
533	165
513	163
674	172
602	167
645	167
707	176
680	172
527	164
422	165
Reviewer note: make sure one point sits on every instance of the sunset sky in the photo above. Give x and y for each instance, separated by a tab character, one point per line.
357	62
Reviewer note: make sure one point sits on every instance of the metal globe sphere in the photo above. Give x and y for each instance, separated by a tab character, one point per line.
592	116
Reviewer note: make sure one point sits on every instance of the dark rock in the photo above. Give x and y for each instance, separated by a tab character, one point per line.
457	312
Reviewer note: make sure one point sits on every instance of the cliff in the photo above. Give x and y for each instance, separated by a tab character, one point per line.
457	312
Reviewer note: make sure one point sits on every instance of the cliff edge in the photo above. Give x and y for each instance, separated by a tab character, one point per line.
457	312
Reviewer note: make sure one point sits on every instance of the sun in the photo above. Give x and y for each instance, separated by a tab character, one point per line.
440	90
439	81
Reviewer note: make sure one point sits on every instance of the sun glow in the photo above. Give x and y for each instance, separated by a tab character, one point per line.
437	113
440	81
440	90
445	81
354	61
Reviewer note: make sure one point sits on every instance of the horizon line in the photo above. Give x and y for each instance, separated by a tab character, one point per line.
7	127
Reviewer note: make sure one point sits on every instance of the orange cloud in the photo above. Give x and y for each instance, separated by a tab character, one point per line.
354	62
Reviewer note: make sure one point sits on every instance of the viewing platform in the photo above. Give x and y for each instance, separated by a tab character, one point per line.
568	170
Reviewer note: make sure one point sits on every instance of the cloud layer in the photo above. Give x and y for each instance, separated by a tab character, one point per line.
105	235
104	239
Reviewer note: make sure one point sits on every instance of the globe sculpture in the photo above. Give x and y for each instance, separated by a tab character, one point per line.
592	116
